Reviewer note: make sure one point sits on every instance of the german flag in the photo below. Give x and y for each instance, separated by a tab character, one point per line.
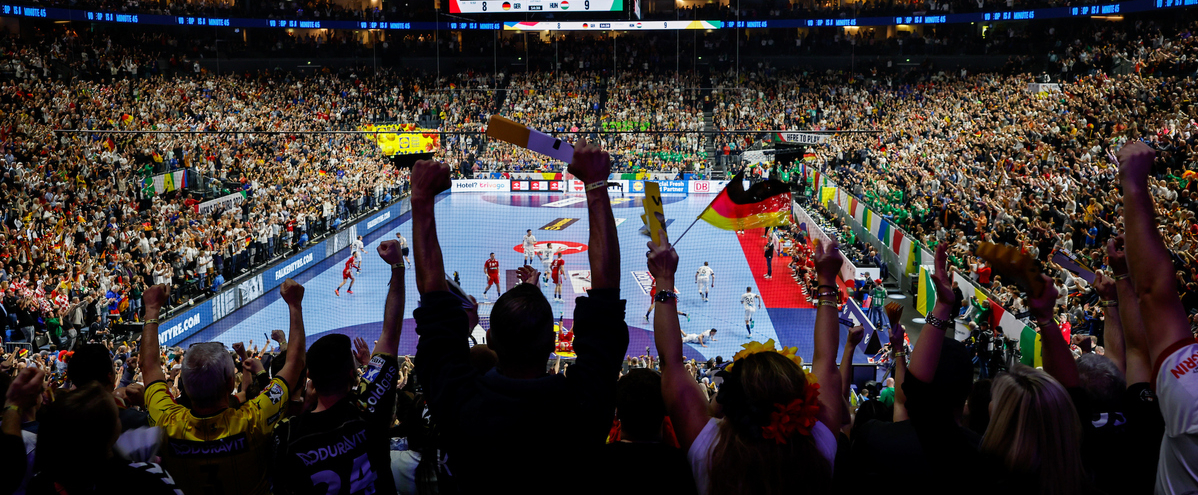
764	204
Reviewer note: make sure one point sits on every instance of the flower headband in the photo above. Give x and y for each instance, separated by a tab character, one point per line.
785	419
757	347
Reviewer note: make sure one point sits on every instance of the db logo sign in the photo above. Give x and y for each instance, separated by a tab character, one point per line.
545	248
702	186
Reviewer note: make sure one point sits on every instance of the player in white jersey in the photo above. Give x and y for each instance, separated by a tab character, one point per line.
403	248
751	302
705	278
697	338
530	242
359	250
546	256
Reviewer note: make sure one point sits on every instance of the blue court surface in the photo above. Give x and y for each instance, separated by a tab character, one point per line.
473	225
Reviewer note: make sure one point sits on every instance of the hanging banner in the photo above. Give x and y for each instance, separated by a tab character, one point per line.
404	139
168	182
220	204
803	138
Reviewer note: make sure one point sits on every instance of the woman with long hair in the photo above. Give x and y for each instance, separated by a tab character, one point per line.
1035	434
770	429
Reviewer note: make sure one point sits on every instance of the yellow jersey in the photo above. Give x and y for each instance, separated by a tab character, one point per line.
223	454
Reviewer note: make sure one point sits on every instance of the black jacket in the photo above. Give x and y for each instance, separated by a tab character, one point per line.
499	431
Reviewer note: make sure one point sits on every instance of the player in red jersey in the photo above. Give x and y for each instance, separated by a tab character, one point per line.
652	301
558	268
491	268
347	273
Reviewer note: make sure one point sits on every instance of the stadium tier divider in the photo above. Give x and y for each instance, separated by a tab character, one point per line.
185	322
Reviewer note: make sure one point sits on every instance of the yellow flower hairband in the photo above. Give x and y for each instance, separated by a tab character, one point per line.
757	347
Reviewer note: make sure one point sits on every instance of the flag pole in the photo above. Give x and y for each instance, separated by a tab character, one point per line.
688	228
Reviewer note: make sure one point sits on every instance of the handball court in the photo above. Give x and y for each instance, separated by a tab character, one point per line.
473	225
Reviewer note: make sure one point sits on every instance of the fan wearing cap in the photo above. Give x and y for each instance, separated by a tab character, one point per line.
344	440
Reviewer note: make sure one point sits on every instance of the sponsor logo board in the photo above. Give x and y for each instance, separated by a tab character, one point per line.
480	185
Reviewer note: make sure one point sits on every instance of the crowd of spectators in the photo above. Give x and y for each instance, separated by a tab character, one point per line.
83	236
293	419
979	158
1103	171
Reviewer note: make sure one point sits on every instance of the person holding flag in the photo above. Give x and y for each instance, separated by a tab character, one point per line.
764	204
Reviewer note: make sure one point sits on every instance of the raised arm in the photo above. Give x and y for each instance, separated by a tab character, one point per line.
150	355
293	294
1135	339
1058	360
827	334
926	355
846	359
393	308
429	178
685	401
1113	327
1147	257
898	355
280	337
592	166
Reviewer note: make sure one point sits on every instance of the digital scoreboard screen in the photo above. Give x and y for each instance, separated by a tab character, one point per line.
548	6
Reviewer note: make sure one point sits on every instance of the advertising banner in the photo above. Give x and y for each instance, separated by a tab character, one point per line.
184	324
672	187
480	185
539	186
705	186
294	266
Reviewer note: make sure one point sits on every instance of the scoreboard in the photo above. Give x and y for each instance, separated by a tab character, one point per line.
547	6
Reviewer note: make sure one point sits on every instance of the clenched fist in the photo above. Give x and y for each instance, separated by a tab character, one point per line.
429	178
389	252
155	297
292	292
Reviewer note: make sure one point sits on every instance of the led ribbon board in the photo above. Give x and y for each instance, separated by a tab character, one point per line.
611	26
548	6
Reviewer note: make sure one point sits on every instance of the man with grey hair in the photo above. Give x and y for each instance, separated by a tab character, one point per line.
212	447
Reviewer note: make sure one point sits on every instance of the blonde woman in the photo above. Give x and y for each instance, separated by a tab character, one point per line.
776	430
1035	433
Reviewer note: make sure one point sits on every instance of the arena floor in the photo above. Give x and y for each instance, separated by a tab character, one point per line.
472	225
